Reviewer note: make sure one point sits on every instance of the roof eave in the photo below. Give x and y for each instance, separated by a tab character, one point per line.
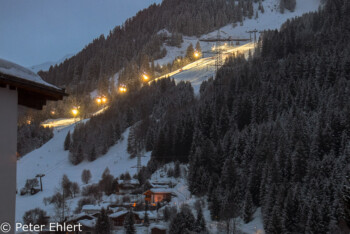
32	94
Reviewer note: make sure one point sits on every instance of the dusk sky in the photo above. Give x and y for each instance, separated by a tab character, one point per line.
37	31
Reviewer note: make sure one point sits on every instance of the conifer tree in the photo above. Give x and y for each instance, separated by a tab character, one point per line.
146	219
198	47
200	225
248	208
92	154
102	223
67	141
183	222
177	170
129	223
190	52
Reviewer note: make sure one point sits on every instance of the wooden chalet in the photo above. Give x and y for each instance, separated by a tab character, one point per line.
119	217
157	230
88	223
127	186
156	195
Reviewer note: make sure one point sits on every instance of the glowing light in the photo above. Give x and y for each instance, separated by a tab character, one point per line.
196	54
53	112
75	112
122	89
98	100
145	77
104	99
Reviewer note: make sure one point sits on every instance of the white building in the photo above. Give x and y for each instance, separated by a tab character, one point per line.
18	87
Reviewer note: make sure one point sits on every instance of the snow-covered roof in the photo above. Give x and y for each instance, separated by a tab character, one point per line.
33	92
161	190
95	207
88	223
132	181
151	214
159	226
119	213
117	209
13	69
81	216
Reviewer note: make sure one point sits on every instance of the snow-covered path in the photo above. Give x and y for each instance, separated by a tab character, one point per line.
204	68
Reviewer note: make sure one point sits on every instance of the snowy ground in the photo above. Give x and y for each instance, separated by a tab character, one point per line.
183	196
59	123
52	161
203	69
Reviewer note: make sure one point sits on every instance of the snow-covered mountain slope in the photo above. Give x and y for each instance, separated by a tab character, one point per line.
270	19
203	69
46	66
52	160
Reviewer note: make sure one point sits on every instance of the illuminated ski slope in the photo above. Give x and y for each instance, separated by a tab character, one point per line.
59	123
204	68
65	122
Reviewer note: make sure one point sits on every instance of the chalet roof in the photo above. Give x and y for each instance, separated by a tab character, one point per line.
158	226
151	214
161	190
118	214
132	181
95	207
88	223
81	216
121	213
33	91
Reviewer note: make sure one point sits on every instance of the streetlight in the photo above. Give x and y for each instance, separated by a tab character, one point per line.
196	54
98	100
75	111
122	88
145	77
104	99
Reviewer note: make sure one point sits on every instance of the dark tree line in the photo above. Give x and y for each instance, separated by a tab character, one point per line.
132	48
32	136
271	131
137	38
145	107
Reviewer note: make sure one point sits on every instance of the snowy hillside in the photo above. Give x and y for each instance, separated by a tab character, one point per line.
52	160
46	66
203	69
